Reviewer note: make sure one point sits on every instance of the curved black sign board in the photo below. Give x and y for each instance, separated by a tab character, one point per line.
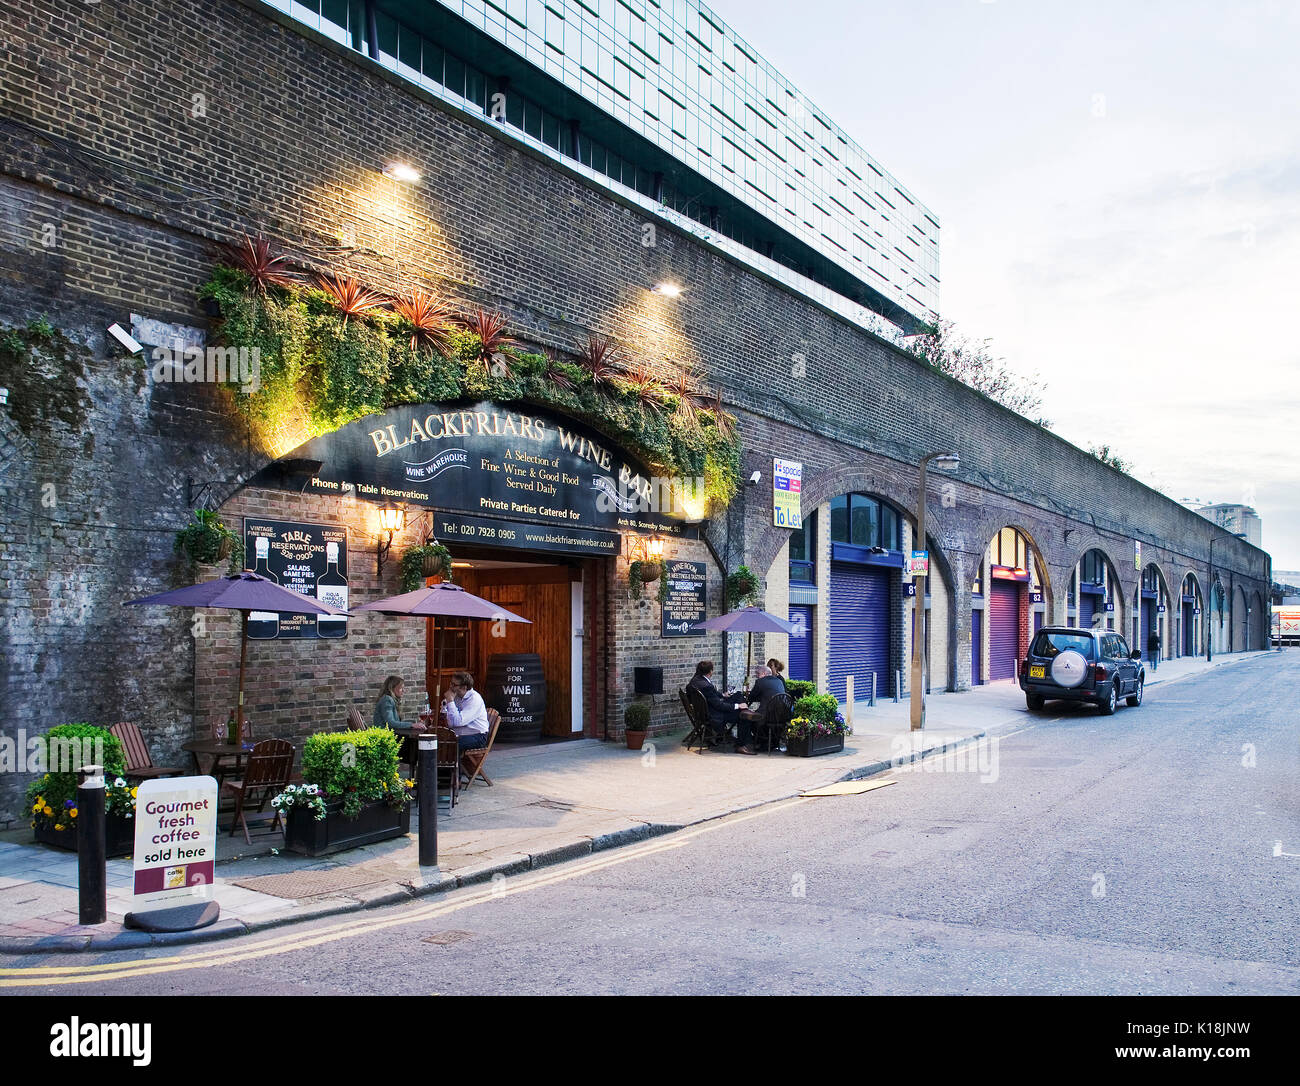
503	461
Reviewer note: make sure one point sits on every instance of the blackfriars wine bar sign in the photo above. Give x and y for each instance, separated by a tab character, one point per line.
501	463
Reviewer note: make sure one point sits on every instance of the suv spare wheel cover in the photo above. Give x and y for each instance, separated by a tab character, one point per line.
1069	668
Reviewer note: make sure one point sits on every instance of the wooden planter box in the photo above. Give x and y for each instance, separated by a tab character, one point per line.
812	745
377	822
119	836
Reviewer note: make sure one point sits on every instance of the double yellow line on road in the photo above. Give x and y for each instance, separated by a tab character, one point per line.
243	951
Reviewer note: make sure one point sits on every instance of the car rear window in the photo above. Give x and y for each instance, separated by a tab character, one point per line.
1050	644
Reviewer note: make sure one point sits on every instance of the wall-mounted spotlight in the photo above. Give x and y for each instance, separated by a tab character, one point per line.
392	518
4	396
400	171
667	289
125	338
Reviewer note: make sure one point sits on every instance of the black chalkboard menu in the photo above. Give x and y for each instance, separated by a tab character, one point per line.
685	604
309	558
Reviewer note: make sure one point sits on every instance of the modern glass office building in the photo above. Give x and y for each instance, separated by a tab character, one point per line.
662	102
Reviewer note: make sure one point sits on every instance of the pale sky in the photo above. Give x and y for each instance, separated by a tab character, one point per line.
1118	184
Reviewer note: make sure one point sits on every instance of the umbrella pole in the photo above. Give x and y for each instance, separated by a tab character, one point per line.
243	660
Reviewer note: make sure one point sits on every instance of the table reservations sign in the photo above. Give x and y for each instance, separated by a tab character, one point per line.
686	602
309	558
175	840
486	458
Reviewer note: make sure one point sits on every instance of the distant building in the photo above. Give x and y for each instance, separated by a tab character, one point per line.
1240	520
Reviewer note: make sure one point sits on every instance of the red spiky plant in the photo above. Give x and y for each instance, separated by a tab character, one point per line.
428	317
601	358
351	297
264	266
490	328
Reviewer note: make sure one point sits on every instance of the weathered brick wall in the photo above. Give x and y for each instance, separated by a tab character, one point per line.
113	178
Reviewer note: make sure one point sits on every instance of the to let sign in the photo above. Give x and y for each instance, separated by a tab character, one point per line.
920	564
787	481
175	839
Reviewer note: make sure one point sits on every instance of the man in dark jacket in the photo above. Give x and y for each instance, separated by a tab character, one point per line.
1153	648
766	686
721	711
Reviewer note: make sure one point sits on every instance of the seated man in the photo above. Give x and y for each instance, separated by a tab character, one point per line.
466	713
721	711
766	686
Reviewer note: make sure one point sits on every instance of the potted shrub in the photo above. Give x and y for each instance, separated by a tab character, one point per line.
364	799
800	688
742	588
52	798
427	560
206	540
636	722
816	728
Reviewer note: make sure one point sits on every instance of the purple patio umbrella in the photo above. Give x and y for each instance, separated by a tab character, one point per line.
242	592
748	620
442	601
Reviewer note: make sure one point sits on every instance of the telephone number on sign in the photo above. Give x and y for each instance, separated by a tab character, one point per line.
481	531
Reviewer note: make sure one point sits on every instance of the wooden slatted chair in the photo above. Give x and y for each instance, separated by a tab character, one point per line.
355	721
471	762
266	773
448	761
139	763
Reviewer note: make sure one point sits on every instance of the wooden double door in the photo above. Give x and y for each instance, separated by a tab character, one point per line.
541	594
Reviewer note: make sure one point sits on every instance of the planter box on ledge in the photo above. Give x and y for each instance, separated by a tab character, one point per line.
119	836
812	745
377	822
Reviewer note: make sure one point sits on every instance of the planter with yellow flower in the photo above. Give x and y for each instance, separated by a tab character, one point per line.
52	798
353	795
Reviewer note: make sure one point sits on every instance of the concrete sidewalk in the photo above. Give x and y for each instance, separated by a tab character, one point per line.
549	804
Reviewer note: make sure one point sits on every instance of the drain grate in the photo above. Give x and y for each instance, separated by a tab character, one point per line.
446	938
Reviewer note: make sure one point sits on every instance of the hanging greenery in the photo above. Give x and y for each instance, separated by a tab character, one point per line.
321	371
426	560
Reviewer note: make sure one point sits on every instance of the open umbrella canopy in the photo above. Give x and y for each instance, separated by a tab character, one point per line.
244	591
442	600
747	620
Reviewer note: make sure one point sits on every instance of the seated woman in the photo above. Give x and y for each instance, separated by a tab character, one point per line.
778	670
386	708
466	713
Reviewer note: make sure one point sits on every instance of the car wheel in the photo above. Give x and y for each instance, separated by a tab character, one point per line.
1107	707
1034	701
1135	698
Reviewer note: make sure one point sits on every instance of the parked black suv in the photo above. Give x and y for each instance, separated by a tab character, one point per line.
1071	664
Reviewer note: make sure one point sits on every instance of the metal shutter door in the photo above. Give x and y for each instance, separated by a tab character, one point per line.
859	614
1148	609
800	662
1188	633
1038	621
976	640
1087	608
1004	629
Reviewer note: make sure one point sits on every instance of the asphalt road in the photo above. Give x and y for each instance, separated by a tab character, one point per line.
1130	854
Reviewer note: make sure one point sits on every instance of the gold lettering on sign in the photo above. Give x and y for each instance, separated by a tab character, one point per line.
481	418
382	445
416	433
429	423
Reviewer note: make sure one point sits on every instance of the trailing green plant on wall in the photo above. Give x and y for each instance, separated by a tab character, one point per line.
206	539
329	356
426	560
45	373
742	588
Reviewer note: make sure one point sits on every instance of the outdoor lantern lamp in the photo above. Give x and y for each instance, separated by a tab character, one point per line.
400	171
392	519
654	548
944	461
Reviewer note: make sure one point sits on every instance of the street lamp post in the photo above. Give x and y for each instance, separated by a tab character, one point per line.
945	461
1209	610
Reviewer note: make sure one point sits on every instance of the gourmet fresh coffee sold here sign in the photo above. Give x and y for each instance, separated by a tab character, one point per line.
175	840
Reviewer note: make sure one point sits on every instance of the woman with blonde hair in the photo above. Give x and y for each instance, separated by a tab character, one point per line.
387	707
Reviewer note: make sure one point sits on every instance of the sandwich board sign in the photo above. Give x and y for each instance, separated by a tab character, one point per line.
175	841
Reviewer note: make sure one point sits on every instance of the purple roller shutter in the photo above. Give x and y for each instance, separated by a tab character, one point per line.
800	662
976	640
1189	636
1004	629
1087	608
859	621
1148	611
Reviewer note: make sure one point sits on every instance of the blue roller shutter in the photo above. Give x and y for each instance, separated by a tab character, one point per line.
859	621
976	641
799	665
1189	639
1038	621
1087	608
1004	629
1148	610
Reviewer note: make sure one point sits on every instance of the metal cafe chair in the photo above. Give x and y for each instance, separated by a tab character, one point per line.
776	715
698	711
448	765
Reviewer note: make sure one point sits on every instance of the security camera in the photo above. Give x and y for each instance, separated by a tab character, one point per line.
753	479
124	337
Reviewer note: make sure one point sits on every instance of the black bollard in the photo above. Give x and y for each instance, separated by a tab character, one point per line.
92	877
428	792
